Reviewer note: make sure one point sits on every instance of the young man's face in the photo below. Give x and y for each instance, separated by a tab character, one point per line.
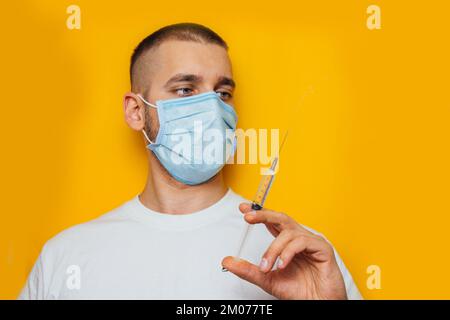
178	69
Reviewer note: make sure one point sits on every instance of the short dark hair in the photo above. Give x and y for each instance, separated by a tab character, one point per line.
179	31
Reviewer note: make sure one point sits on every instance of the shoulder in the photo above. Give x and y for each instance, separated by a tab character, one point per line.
89	232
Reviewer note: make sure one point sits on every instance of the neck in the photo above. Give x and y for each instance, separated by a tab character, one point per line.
164	194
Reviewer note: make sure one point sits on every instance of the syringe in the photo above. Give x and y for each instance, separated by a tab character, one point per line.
261	195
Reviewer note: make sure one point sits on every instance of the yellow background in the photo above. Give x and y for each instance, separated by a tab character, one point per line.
367	158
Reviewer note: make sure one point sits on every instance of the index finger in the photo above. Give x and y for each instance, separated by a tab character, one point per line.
266	216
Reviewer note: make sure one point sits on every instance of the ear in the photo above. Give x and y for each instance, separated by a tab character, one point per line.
134	111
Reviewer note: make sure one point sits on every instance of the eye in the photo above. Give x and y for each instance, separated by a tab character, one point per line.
182	92
224	95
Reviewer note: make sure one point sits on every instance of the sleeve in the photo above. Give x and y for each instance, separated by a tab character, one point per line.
34	286
350	286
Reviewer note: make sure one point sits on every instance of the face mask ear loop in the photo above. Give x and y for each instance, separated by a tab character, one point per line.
146	137
150	105
146	102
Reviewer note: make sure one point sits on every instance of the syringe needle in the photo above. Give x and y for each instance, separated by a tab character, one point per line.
261	194
243	241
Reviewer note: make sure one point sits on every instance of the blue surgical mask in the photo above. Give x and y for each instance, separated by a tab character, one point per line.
196	136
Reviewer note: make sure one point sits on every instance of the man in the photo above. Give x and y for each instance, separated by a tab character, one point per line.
172	240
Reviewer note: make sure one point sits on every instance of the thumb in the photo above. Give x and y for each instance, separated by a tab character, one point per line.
245	270
245	207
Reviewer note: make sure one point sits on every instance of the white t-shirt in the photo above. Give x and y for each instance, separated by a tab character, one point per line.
133	252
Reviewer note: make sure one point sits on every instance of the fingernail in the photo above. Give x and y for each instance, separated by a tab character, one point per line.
253	213
263	264
280	263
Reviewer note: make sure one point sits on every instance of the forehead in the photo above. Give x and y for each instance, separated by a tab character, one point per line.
173	56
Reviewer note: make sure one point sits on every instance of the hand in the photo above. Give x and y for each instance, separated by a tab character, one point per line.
307	267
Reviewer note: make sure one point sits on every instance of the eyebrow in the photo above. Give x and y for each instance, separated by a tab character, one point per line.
186	77
183	77
227	82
